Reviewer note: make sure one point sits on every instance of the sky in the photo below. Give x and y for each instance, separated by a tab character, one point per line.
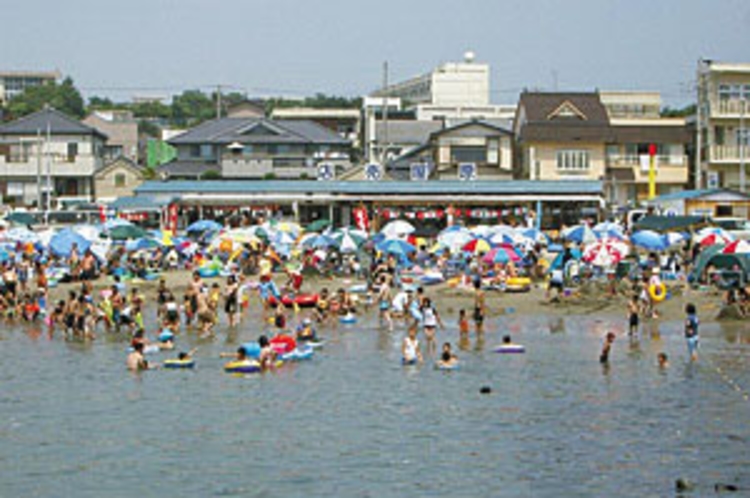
300	47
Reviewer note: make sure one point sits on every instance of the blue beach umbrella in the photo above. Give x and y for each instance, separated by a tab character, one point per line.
62	242
648	239
204	226
580	234
397	247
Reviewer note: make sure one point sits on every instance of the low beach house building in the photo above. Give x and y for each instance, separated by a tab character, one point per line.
48	152
258	148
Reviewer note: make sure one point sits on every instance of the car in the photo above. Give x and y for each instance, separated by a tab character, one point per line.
737	227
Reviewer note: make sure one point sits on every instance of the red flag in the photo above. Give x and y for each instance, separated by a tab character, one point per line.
361	219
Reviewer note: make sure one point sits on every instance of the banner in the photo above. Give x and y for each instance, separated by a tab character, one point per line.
361	218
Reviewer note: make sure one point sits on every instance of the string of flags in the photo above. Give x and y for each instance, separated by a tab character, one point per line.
435	214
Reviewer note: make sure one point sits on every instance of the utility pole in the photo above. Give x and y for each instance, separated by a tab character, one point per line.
384	152
218	101
742	140
49	173
39	169
699	126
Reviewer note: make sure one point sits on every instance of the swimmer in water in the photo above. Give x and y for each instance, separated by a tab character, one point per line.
662	360
691	331
447	358
136	361
410	351
609	339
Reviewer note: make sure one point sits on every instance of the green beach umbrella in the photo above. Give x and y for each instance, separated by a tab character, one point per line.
318	225
125	232
21	218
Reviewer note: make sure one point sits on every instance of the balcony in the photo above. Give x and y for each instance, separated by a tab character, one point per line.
19	165
669	169
728	153
728	108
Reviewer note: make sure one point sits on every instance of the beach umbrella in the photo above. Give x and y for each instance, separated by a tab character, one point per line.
115	222
506	238
318	225
712	236
536	236
737	247
477	246
501	254
22	235
204	226
349	239
482	231
88	232
608	226
605	252
125	232
580	234
62	242
279	239
242	236
397	247
648	239
610	234
21	218
455	237
674	238
141	244
100	248
317	241
397	229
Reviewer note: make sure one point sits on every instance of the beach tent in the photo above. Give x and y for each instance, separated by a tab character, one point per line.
62	242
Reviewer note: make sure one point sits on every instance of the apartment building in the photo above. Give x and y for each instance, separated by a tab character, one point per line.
723	138
13	83
121	129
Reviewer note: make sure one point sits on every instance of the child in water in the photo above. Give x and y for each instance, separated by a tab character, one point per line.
633	308
447	358
463	323
410	351
662	360
609	339
691	331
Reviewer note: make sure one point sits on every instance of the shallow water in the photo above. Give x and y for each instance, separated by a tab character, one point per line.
354	422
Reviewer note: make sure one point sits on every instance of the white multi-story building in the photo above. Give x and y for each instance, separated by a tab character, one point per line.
48	152
13	83
723	108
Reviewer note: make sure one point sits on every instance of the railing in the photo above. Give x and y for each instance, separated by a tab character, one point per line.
729	153
729	107
629	161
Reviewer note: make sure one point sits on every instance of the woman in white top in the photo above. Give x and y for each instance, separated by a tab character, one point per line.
431	319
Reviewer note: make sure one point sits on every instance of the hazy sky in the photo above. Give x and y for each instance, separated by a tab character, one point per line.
299	47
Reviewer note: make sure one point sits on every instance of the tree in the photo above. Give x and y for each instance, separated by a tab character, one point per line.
192	107
684	112
211	174
151	110
64	97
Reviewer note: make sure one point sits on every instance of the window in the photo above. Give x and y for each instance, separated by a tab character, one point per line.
468	154
573	160
742	136
207	151
735	92
72	152
195	151
120	180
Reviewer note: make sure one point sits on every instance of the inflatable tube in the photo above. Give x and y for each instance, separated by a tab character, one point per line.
252	349
431	279
179	363
317	344
657	292
245	367
440	366
348	319
166	335
283	344
301	300
518	284
453	282
208	272
510	349
305	353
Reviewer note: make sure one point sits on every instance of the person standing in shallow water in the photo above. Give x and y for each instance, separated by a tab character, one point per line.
479	307
691	331
609	339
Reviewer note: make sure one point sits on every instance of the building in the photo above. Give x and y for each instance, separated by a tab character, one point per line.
117	178
247	109
722	118
601	136
429	205
715	203
121	129
258	148
470	151
64	166
13	83
345	122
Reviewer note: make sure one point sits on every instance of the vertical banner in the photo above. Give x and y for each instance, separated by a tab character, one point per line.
652	171
361	219
172	222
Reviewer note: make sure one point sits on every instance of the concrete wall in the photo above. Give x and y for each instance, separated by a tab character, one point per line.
546	156
105	183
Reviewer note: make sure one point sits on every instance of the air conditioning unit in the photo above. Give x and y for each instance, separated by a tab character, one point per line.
419	171
467	171
373	172
326	171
